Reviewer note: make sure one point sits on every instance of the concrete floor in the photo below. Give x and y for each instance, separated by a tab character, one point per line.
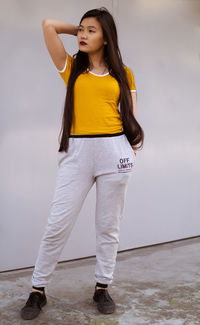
158	285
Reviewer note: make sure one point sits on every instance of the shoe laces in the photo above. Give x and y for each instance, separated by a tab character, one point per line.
104	295
33	299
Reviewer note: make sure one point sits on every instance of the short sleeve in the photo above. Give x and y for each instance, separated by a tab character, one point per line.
131	80
65	72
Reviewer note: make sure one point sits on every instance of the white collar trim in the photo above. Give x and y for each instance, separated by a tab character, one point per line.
99	75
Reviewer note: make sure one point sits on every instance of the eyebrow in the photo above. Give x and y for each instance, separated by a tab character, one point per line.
87	26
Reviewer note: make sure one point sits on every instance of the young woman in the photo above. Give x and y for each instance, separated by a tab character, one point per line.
99	140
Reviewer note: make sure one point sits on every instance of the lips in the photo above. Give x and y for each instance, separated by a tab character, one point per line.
83	43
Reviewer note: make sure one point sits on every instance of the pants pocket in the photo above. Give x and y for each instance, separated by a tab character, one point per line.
74	149
130	148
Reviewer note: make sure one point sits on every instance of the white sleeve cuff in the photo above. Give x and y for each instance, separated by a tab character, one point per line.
134	91
64	66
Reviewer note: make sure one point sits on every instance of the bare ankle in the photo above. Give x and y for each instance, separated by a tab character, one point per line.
33	290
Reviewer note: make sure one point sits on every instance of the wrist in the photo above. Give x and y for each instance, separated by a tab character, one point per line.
75	30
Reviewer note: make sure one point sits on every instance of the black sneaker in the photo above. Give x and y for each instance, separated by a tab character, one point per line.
33	305
105	304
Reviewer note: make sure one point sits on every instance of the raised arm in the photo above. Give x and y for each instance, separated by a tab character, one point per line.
51	29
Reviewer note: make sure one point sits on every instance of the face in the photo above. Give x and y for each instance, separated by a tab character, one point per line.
90	32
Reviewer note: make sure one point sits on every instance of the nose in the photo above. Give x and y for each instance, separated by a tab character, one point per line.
83	35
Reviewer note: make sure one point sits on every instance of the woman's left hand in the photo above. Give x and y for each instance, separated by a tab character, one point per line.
133	147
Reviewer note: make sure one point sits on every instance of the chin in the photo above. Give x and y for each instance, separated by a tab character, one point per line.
82	50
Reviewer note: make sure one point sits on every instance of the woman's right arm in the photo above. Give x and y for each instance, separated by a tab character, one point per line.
51	29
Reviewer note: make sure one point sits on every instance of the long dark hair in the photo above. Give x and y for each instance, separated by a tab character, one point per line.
113	59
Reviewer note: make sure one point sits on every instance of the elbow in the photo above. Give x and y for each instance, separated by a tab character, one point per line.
45	22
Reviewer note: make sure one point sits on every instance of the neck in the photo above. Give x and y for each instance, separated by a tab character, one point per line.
96	60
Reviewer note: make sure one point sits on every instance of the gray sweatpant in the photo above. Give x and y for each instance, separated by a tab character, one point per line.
109	162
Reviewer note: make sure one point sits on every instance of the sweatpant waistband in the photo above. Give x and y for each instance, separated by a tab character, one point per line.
95	135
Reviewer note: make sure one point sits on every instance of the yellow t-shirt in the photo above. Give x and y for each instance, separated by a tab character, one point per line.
95	101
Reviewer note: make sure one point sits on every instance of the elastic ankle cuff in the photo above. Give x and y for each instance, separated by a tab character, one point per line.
38	288
101	285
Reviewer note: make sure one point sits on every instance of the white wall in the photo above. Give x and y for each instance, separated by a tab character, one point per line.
159	41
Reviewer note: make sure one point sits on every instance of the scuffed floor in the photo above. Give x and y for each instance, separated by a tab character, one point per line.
158	285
